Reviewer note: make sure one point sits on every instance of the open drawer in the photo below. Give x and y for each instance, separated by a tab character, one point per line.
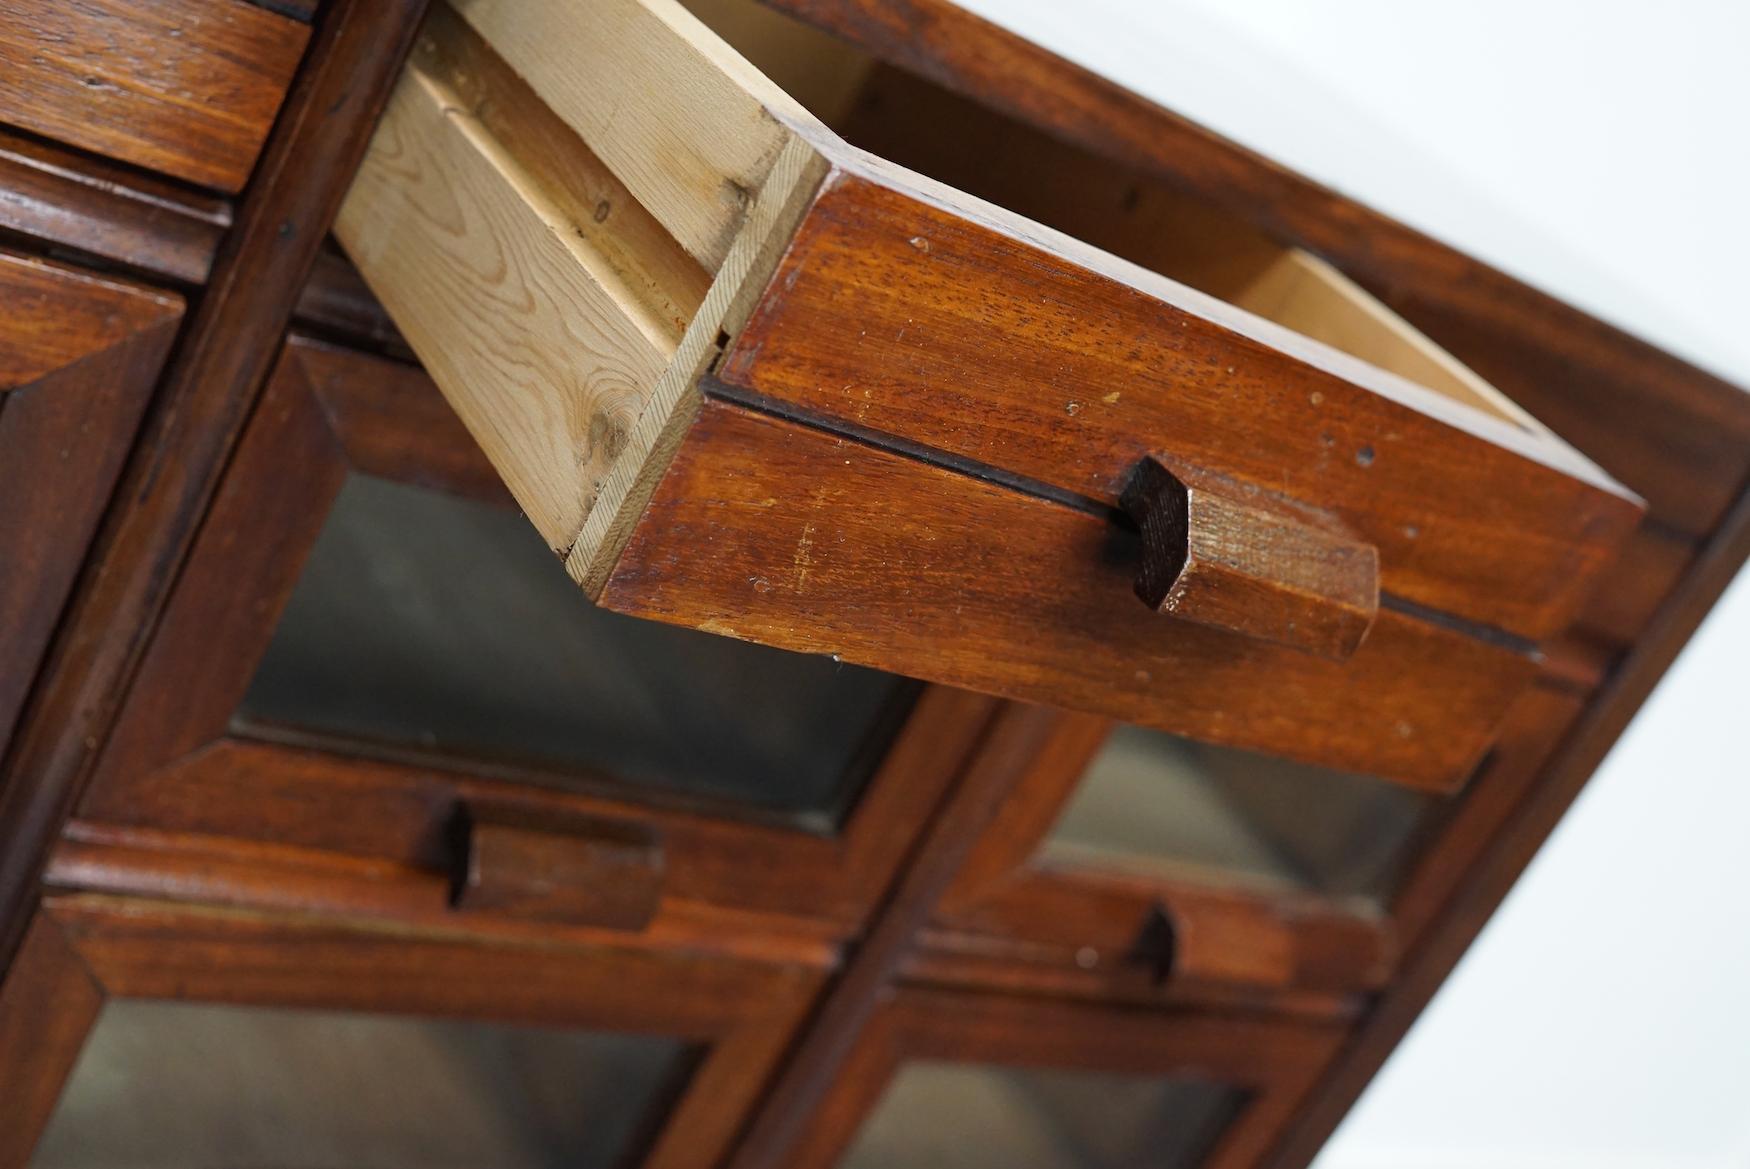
744	377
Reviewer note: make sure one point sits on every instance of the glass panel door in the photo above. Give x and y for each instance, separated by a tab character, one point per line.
166	1085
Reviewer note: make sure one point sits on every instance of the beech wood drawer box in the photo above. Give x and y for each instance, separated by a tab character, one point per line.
745	377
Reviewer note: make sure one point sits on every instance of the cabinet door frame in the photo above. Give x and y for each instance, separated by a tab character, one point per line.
79	355
84	950
1012	919
1275	1061
175	761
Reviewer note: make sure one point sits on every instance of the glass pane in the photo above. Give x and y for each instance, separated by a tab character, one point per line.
426	621
964	1116
1151	799
180	1085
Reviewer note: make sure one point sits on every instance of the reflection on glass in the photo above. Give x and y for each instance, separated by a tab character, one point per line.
1153	798
177	1085
966	1116
431	622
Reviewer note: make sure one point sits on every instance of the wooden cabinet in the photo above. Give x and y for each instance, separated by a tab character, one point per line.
754	381
133	1033
1086	623
79	354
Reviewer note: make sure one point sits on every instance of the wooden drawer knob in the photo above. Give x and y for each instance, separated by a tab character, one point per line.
579	871
1247	568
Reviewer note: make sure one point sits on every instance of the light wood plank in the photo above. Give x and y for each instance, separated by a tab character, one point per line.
682	118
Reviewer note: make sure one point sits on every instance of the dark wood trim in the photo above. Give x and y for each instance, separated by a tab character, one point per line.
1273	1060
910	566
83	949
1492	875
110	217
959	960
1082	918
224	357
48	1002
176	760
187	87
79	354
185	867
1534	728
1014	735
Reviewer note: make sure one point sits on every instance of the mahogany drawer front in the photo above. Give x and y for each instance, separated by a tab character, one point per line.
891	562
186	87
959	399
79	355
370	661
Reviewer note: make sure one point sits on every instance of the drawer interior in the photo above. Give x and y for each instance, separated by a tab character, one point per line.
912	122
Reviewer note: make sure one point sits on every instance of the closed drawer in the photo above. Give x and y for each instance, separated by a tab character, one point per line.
79	355
746	378
186	87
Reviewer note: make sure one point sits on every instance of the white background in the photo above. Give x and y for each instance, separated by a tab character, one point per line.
1601	150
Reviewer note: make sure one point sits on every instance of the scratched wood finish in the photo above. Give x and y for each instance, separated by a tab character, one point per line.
954	319
909	567
78	356
1673	433
187	87
84	949
1213	559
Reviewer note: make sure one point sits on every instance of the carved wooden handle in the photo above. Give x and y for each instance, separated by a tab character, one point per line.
580	871
1248	568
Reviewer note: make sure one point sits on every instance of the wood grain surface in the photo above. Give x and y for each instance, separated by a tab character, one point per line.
79	354
1465	905
897	318
1670	431
1208	557
740	1013
898	564
187	87
211	384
